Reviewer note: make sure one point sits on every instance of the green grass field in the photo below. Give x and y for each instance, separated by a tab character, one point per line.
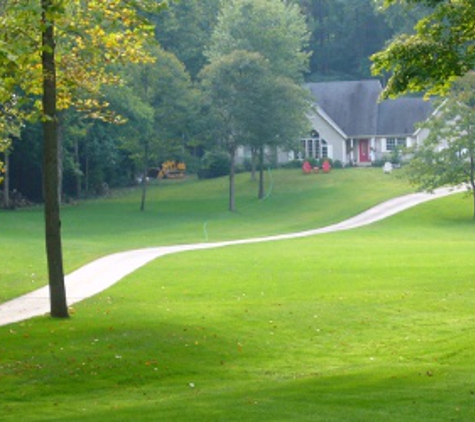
185	212
365	325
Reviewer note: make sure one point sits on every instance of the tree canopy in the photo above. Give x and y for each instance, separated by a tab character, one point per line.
184	29
447	155
257	60
89	37
441	49
232	86
160	104
275	29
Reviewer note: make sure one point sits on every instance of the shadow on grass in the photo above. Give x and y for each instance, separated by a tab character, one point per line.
360	396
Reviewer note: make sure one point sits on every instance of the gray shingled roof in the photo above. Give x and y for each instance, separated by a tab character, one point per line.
399	116
354	107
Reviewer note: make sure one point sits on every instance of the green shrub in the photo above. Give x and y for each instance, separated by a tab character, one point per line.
214	164
293	164
379	162
337	164
314	162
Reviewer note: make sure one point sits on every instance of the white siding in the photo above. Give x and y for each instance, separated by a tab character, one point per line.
336	142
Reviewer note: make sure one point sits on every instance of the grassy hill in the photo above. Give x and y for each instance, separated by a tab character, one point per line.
370	324
189	211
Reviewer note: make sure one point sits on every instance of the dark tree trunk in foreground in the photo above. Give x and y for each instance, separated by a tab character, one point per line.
59	308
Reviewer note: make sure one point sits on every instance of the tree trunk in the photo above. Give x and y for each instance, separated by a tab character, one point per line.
232	177
261	173
57	289
144	178
253	163
6	179
78	169
60	160
86	172
472	179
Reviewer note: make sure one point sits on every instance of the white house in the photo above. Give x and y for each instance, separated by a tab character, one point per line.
349	124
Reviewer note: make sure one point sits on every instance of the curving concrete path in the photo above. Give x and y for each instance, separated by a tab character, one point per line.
99	275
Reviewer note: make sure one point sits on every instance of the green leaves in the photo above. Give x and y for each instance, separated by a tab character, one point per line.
11	122
438	53
275	29
90	36
159	102
447	155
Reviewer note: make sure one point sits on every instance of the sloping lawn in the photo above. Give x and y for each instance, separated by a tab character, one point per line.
189	211
370	324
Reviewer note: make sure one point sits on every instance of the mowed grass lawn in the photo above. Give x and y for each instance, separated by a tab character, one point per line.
370	324
183	212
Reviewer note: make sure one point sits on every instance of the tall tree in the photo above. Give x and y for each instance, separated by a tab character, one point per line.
252	106
231	85
440	50
447	155
276	29
284	107
60	50
184	29
54	255
160	104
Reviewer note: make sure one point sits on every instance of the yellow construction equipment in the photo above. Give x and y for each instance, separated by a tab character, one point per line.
172	170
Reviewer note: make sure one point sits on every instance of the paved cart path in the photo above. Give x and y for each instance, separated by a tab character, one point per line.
99	275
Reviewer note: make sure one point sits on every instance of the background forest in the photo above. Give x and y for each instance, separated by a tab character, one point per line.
161	109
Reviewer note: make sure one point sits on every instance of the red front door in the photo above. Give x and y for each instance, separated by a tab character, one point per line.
364	151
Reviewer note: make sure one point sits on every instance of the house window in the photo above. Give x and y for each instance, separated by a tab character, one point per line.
314	147
395	143
324	149
310	148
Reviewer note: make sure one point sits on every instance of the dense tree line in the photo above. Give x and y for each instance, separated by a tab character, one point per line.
97	155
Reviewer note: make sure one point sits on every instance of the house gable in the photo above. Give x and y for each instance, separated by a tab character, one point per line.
329	132
352	105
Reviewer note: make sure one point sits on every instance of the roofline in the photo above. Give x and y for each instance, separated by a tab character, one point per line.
436	111
318	110
329	120
396	135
